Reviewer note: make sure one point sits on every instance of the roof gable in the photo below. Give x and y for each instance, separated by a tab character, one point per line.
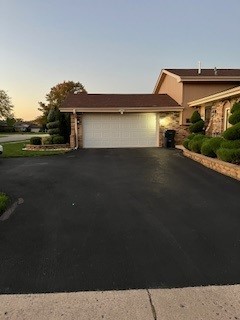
192	75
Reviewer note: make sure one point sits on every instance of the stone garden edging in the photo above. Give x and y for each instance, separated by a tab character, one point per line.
49	147
228	169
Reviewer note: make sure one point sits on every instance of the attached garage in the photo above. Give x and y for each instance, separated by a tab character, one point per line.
127	130
116	120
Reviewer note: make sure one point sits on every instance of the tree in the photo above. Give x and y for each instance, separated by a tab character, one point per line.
54	100
5	105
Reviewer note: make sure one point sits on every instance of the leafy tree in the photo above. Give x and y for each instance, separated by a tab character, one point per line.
5	105
54	99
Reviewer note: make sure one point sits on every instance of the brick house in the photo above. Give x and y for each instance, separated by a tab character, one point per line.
140	120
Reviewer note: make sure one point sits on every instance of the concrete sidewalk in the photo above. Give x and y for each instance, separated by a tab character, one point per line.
20	137
207	303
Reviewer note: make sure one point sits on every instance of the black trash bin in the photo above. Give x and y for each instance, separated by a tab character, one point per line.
169	136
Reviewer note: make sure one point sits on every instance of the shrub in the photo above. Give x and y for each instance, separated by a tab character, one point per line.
195	117
4	202
185	143
229	155
57	139
210	146
191	136
197	127
53	121
195	144
47	140
234	118
53	125
235	107
230	144
36	140
232	133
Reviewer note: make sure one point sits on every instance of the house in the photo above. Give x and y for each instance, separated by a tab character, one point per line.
215	109
26	127
140	120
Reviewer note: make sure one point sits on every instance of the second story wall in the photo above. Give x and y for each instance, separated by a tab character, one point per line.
173	88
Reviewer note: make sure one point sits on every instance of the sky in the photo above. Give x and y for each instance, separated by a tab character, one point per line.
110	46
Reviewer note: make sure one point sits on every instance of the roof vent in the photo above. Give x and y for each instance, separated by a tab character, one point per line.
215	71
199	67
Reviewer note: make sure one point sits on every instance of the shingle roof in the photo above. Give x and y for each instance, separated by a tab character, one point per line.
84	100
205	72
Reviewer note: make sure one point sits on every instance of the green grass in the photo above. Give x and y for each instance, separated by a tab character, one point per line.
14	149
4	202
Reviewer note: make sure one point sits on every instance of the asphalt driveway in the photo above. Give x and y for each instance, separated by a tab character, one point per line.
117	219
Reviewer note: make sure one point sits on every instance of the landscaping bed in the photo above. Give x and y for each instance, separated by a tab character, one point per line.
229	169
47	147
17	149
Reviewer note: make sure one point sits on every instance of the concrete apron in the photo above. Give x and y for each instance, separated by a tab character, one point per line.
213	302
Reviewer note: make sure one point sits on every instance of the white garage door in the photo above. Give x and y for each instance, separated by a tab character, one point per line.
120	130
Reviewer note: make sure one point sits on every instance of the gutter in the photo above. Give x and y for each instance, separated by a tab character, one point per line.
125	110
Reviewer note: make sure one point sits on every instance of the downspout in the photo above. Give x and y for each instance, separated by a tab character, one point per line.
75	128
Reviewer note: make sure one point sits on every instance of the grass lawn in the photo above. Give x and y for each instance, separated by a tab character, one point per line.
14	149
4	202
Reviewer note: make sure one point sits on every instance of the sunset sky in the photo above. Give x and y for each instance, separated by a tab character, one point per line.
110	46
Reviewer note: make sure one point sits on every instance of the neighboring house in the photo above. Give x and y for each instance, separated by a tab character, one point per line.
140	120
35	128
26	127
22	127
117	120
215	109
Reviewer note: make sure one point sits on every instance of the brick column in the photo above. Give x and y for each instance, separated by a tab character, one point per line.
80	131
72	135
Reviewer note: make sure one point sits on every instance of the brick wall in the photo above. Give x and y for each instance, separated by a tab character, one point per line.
171	120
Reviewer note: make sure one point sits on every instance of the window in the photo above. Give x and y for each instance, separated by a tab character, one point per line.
226	117
207	117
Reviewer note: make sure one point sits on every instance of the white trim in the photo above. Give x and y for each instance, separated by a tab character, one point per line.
157	128
163	73
215	97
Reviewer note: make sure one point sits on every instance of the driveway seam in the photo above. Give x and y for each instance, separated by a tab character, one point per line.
154	313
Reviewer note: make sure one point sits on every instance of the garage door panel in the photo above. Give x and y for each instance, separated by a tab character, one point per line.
116	130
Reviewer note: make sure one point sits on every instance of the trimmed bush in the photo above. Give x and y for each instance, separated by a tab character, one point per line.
186	142
36	141
197	123
232	133
47	140
235	107
195	144
234	118
230	144
53	121
195	117
54	131
210	146
197	127
53	125
229	155
57	139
